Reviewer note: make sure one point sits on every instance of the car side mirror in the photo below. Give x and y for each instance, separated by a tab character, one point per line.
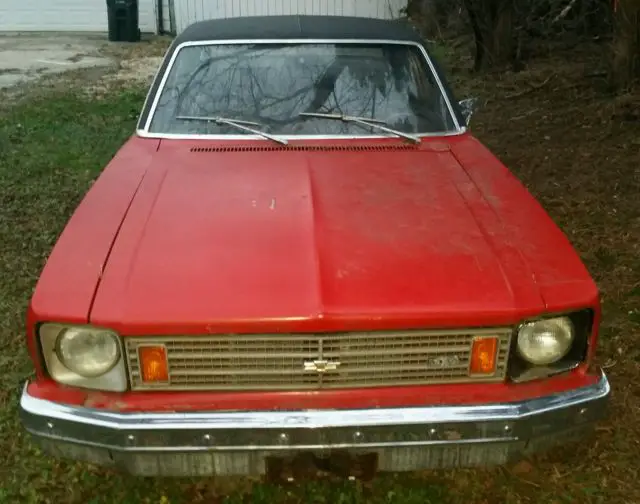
468	107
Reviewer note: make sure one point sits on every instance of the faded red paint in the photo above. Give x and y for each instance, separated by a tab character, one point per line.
67	284
170	241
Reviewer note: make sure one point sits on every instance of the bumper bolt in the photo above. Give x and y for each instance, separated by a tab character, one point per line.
131	439
283	438
583	411
358	436
207	438
507	428
50	425
432	432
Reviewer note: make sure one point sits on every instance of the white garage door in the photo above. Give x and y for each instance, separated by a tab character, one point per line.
66	15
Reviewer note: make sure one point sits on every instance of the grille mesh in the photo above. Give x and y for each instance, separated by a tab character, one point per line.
352	360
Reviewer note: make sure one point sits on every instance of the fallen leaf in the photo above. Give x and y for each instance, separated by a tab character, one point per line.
522	467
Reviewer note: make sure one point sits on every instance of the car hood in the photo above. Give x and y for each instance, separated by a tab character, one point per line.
244	239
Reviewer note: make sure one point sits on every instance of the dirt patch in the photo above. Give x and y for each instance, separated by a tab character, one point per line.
136	66
137	63
138	69
26	58
149	46
101	69
577	149
135	70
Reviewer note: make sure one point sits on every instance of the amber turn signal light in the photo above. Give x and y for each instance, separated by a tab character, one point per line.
153	364
483	355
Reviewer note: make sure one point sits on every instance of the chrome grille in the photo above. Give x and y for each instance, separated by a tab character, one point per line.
316	361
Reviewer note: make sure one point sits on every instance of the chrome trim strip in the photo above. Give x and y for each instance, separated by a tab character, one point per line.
182	136
34	410
147	134
156	75
287	448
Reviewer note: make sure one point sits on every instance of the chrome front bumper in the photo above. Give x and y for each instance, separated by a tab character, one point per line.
227	443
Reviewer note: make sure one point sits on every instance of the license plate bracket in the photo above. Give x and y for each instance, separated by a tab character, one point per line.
310	465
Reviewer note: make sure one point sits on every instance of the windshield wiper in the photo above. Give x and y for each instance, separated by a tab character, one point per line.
366	121
236	123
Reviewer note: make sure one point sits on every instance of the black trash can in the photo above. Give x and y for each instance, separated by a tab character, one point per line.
123	20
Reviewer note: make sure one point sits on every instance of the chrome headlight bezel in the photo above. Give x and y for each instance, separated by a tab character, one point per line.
558	344
521	370
112	377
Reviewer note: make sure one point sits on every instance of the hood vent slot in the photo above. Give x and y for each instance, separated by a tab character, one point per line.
309	148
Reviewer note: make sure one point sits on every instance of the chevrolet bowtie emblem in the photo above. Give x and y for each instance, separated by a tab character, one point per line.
321	365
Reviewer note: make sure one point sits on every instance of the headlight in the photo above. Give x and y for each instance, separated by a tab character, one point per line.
82	356
545	341
88	352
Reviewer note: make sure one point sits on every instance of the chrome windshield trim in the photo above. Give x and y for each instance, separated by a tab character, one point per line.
144	132
149	94
309	419
180	136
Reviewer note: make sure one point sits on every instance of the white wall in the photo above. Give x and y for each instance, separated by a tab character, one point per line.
190	11
91	15
147	15
66	15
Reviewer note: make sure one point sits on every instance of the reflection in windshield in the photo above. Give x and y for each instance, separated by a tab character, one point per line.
273	84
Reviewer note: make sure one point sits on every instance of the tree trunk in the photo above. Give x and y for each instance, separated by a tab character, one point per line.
433	15
626	47
500	50
492	24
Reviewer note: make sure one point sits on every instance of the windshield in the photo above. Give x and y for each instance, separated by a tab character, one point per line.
275	85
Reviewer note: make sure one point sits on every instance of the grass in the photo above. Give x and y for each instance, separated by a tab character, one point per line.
571	144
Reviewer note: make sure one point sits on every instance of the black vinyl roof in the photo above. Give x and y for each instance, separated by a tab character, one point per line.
299	27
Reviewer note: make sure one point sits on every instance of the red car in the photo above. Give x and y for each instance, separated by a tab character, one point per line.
302	252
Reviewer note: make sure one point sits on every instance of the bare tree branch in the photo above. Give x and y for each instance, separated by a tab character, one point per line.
532	88
564	12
